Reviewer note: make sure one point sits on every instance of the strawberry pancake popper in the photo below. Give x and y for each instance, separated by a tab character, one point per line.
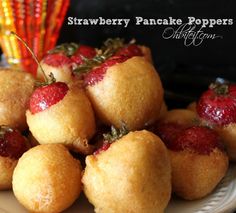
47	179
217	108
125	87
135	169
61	60
61	113
198	159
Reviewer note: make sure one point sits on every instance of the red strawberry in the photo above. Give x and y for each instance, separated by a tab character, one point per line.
130	51
218	104
46	96
199	140
167	131
98	73
83	51
12	143
104	147
57	60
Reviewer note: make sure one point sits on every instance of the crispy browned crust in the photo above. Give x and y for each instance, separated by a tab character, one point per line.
47	179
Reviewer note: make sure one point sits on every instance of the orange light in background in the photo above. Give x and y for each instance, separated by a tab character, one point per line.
37	22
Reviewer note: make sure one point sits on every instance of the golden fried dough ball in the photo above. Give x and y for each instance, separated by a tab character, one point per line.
198	162
16	88
130	92
194	176
70	121
228	135
47	179
7	166
180	116
133	175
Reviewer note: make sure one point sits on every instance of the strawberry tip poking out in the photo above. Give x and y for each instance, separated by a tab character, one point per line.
57	60
82	52
201	140
12	143
46	96
97	74
217	105
168	132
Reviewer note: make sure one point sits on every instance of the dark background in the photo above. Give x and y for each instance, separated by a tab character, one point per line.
185	71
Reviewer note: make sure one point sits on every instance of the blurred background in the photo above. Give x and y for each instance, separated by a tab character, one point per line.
185	71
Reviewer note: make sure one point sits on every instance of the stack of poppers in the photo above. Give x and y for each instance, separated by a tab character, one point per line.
46	123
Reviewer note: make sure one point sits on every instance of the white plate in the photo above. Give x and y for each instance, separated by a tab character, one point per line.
222	200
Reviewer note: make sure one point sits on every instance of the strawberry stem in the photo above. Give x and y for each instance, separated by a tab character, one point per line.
31	52
220	89
116	134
